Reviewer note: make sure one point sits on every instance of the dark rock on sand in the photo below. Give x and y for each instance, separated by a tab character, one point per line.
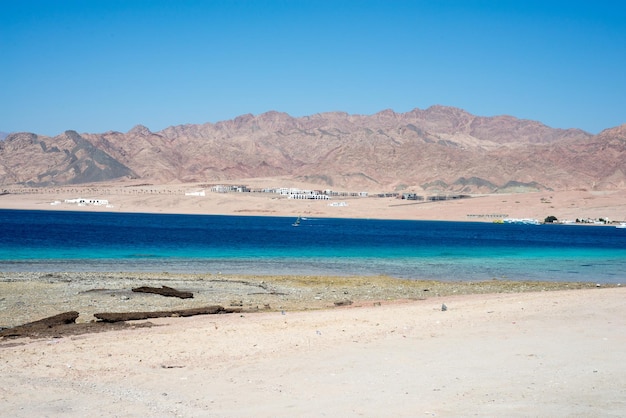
164	291
134	316
40	325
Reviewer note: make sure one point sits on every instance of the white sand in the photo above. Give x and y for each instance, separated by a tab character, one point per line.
532	354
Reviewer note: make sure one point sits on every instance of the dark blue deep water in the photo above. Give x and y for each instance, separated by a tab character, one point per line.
83	241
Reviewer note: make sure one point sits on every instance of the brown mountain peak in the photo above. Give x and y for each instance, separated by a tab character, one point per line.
140	130
441	148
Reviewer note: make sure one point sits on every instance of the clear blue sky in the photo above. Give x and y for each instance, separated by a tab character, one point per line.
95	66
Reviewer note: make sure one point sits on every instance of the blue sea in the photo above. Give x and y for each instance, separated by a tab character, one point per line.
54	241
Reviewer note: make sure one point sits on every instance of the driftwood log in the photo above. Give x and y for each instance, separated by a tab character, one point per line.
164	291
134	316
64	318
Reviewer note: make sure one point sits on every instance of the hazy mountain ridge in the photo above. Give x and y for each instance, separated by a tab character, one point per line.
438	149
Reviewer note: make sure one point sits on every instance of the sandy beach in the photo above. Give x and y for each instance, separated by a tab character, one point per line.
552	353
317	346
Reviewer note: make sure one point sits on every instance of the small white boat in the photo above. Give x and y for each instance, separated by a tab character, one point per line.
622	225
297	222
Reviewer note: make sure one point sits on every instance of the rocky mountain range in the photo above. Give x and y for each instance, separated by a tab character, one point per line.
442	149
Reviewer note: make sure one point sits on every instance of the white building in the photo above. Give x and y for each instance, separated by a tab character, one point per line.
200	193
312	196
82	202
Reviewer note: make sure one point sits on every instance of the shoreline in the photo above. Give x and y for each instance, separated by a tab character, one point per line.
564	205
31	296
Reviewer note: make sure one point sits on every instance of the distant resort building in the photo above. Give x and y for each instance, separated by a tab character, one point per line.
200	193
312	196
290	192
220	188
412	196
295	193
345	194
84	202
435	198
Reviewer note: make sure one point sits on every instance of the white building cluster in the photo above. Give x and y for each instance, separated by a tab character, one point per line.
290	192
84	202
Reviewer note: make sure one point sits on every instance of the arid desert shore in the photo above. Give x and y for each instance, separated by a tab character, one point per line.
184	199
317	346
539	353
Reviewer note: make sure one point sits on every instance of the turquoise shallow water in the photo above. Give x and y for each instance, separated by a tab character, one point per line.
81	241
